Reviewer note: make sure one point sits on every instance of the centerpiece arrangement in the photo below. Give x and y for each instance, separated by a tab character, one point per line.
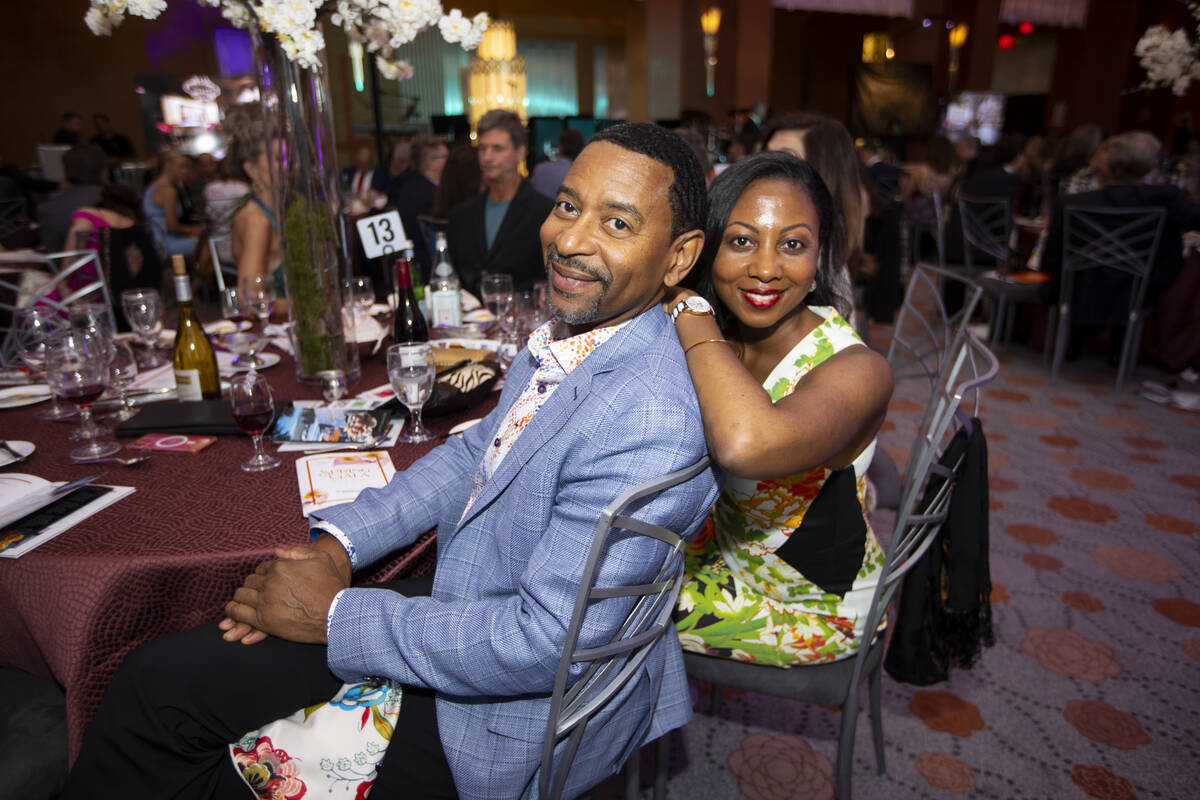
1170	58
289	50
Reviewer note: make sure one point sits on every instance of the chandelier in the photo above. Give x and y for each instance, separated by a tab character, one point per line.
497	74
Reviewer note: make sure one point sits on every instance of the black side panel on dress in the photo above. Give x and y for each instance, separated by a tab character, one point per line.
828	546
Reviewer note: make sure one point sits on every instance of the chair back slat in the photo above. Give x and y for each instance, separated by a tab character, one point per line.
986	226
57	268
611	664
925	333
1123	240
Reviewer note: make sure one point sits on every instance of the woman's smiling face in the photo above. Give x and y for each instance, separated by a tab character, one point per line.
769	252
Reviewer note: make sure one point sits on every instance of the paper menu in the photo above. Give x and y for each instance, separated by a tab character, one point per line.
329	479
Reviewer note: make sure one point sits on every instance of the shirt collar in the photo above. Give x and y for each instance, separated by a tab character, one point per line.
566	354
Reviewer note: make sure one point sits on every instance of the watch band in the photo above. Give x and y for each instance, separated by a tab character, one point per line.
682	307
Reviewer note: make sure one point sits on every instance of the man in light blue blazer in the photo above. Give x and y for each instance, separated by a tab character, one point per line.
513	534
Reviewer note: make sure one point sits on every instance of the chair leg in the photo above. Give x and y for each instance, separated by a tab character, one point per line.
998	322
1060	342
845	754
1048	344
662	762
632	773
1132	340
714	700
876	688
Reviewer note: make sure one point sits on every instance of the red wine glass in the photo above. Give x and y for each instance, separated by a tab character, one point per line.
77	369
253	411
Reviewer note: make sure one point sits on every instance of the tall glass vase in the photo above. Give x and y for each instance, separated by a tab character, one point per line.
298	126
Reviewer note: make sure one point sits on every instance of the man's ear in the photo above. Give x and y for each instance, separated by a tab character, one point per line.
685	252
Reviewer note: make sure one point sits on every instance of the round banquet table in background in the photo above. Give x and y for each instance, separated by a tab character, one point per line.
167	557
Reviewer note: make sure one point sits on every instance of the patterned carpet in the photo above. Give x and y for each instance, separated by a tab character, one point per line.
1093	686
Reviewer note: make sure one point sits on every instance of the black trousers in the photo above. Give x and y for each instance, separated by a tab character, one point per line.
176	703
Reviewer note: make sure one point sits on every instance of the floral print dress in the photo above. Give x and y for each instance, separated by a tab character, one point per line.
740	600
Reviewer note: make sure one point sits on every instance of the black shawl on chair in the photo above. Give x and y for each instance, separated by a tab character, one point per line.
945	615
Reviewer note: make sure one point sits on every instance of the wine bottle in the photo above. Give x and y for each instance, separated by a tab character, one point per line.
195	361
409	324
445	304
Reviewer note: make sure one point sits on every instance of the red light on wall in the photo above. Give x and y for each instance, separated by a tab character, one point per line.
1006	41
1025	28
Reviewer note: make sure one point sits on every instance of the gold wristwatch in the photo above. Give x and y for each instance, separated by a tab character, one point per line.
692	305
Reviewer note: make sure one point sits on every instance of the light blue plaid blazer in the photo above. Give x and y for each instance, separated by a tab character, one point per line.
489	639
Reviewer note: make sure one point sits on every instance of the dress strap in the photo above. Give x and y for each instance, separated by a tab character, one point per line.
270	214
96	220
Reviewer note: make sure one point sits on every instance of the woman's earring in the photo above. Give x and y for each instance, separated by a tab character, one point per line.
812	288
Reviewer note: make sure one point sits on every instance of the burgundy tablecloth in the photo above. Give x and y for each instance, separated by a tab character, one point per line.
166	558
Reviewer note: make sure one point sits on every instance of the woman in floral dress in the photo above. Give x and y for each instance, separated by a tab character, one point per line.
784	570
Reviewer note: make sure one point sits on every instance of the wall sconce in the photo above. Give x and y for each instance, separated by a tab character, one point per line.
710	23
877	47
958	36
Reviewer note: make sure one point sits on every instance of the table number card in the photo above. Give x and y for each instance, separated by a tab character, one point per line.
328	479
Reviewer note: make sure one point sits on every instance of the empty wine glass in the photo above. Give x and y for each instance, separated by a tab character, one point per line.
411	371
253	411
260	294
143	311
123	370
77	368
34	326
360	292
496	291
244	344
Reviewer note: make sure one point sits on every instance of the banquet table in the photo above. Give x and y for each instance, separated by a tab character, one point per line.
167	557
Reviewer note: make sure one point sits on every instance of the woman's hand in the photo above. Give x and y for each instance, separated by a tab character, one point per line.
673	295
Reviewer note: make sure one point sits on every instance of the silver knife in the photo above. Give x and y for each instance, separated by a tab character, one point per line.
73	485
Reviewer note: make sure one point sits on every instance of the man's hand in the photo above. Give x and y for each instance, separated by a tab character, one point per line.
288	597
235	631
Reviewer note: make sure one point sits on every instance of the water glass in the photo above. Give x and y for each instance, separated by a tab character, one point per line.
253	411
77	369
123	369
143	311
411	371
496	291
33	327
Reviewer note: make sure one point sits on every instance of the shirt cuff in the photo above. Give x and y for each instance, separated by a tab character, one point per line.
329	617
321	526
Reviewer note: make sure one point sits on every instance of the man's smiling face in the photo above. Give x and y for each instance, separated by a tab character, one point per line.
607	242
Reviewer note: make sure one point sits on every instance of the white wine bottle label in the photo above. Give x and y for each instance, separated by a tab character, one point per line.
447	309
187	384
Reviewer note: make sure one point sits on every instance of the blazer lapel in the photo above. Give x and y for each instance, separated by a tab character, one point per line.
558	410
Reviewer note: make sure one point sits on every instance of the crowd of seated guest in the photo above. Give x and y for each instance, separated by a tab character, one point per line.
1101	297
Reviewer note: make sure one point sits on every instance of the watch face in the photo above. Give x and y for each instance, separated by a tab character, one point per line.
698	305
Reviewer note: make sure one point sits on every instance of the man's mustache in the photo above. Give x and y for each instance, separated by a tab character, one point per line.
576	265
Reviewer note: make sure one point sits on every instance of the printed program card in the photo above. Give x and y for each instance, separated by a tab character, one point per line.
328	479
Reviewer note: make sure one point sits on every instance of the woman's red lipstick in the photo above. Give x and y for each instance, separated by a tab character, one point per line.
761	298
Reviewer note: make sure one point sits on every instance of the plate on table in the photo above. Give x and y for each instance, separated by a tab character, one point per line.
24	448
18	396
226	367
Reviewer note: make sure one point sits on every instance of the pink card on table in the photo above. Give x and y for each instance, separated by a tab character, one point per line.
172	443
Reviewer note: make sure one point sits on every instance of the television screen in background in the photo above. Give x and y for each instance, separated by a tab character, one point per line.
978	114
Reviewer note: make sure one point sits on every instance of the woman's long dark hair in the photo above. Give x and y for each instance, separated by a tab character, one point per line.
723	195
